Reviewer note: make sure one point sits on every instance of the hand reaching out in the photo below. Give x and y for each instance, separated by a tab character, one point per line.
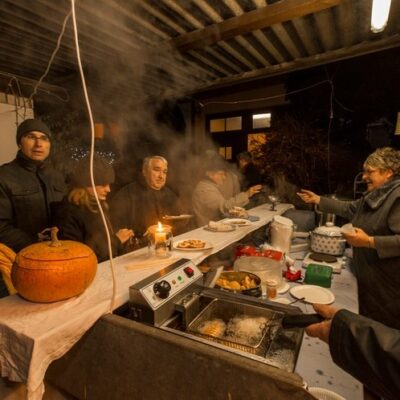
124	235
309	197
253	190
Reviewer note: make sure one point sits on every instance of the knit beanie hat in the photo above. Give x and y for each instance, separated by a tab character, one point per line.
103	172
30	125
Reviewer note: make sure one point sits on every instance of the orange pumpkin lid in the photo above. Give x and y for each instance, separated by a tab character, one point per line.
55	250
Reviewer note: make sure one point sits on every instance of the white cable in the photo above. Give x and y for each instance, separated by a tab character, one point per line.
52	56
32	82
92	154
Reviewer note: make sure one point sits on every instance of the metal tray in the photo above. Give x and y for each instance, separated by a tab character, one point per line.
226	311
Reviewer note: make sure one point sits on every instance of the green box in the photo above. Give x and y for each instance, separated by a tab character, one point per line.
318	274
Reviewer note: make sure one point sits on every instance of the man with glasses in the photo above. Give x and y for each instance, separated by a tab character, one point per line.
28	187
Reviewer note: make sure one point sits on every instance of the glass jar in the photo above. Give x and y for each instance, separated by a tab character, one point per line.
272	290
159	240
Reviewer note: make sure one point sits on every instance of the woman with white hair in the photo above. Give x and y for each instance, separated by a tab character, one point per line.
376	235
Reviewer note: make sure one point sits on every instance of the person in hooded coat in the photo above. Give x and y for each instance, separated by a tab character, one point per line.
79	218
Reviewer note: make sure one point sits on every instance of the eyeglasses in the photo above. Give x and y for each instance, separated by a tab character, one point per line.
369	172
32	136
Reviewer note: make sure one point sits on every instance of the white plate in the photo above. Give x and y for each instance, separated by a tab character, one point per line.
229	228
237	222
312	294
177	217
324	394
206	246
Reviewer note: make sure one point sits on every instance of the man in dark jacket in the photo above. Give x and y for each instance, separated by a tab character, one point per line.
28	187
366	349
141	204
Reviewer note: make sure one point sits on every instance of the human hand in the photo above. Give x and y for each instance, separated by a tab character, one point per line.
309	197
124	235
322	329
358	238
253	190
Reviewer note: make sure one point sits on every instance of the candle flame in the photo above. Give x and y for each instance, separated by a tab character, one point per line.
159	227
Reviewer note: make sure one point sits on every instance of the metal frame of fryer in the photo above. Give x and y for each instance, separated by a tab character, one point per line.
141	311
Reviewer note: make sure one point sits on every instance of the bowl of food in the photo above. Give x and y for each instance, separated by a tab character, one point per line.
240	282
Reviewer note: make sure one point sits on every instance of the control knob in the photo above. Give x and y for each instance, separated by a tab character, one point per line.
162	289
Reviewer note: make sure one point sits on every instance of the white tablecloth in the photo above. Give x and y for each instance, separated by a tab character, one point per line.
33	335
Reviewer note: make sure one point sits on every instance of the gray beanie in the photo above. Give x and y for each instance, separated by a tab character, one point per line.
30	125
103	172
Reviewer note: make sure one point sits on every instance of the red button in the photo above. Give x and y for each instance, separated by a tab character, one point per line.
188	271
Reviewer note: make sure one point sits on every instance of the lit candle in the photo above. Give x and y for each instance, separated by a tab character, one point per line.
160	235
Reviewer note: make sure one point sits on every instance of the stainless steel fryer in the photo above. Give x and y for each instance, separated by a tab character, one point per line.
176	301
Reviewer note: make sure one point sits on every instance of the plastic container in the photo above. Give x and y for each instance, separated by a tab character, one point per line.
281	230
320	275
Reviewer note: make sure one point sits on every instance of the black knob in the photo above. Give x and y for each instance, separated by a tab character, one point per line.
162	289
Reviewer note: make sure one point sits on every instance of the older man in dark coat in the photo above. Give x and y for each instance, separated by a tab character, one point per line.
141	204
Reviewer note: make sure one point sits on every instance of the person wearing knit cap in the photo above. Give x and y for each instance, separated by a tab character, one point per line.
30	126
78	217
209	203
29	187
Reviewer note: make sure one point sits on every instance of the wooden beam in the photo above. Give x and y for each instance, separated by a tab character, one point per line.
307	62
284	10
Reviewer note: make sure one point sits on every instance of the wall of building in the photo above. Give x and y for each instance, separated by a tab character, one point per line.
13	110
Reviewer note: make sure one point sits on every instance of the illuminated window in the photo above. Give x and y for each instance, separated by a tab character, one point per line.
234	124
261	120
217	125
226	124
226	152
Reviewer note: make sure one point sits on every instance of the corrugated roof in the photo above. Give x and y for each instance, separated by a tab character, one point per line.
200	43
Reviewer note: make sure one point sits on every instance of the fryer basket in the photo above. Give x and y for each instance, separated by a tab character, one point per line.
226	311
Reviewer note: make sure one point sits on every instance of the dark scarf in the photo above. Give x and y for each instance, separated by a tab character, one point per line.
376	198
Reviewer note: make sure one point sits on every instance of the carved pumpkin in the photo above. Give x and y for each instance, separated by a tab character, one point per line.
53	270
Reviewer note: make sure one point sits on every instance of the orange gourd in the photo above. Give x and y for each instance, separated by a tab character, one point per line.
53	270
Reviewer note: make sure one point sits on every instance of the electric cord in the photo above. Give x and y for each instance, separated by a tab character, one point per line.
38	83
82	75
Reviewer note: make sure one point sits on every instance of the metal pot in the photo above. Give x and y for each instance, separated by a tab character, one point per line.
239	276
328	240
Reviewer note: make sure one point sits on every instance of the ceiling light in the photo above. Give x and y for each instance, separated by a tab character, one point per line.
380	15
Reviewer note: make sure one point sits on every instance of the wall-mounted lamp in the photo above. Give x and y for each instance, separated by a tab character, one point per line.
380	15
